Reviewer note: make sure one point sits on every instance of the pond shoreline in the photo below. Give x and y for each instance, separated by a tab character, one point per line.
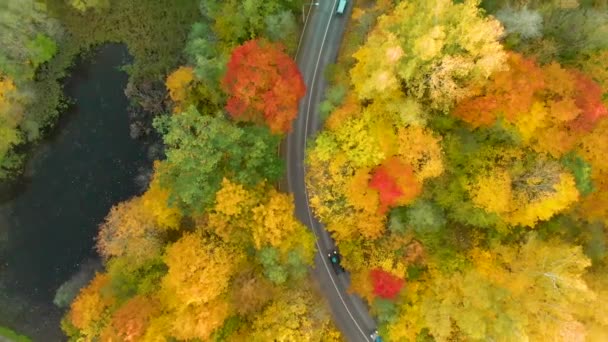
86	163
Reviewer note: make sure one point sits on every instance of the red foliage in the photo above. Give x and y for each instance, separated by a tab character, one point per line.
395	182
386	186
385	284
264	85
588	99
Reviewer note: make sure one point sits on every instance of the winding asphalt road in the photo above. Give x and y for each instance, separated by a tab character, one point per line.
317	48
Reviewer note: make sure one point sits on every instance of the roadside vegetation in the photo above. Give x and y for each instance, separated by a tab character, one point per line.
211	250
461	168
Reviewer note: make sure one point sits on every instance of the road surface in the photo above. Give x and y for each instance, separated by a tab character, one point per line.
318	47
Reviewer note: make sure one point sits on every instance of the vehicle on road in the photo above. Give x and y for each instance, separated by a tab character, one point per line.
375	337
334	258
341	6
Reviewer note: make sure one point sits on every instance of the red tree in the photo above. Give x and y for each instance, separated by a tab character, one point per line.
588	99
264	85
395	182
385	284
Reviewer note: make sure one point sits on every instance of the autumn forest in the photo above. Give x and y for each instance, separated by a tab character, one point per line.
461	169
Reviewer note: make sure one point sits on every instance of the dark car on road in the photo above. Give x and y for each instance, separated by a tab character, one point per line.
334	258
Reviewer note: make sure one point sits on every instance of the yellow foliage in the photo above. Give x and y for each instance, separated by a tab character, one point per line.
232	199
377	79
6	88
420	149
529	213
528	124
199	271
355	140
274	222
291	317
177	84
155	201
198	321
361	284
407	324
358	193
492	192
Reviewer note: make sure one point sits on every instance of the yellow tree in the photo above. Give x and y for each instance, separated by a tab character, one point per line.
273	221
422	150
178	83
595	150
531	292
155	201
199	270
415	45
197	321
524	197
291	316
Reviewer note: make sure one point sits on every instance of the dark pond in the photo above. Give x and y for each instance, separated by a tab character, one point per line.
87	164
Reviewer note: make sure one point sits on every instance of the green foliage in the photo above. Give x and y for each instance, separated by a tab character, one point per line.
128	281
576	31
154	31
581	171
26	36
13	336
244	154
282	27
273	270
41	49
231	325
298	268
595	247
385	310
209	62
425	216
523	22
251	19
84	5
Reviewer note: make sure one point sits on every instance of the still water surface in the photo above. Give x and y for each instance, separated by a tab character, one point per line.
87	164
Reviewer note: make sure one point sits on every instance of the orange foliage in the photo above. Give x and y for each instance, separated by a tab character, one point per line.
264	85
510	93
350	108
90	307
129	323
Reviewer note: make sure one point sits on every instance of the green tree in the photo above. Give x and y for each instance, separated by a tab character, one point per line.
202	149
27	37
